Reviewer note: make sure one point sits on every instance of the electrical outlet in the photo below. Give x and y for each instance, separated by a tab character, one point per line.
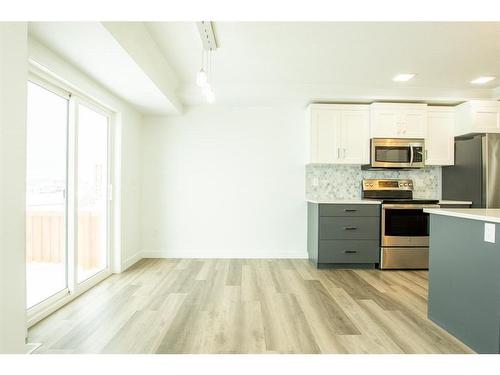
489	232
315	181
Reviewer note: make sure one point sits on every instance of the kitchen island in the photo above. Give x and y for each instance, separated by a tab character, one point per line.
464	275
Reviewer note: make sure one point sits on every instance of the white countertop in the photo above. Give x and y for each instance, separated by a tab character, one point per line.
483	214
372	201
454	202
345	201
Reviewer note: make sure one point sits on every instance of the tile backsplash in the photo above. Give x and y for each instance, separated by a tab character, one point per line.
325	181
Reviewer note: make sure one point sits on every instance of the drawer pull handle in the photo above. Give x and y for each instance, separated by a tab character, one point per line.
350	228
350	251
350	210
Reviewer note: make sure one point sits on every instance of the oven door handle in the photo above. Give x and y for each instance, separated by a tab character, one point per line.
408	206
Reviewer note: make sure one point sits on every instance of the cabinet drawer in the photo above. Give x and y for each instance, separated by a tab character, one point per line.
341	251
345	228
349	210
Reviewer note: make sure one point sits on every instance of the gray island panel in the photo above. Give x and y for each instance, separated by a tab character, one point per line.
464	281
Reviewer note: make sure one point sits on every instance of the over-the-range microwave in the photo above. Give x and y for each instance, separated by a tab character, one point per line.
397	153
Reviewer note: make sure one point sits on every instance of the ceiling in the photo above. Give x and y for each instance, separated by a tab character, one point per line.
103	53
321	57
282	62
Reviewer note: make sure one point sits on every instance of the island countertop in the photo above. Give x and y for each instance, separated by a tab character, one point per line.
448	202
491	215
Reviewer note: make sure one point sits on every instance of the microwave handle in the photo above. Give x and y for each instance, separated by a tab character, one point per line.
411	155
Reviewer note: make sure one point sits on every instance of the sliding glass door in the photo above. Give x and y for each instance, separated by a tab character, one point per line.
46	257
68	200
92	224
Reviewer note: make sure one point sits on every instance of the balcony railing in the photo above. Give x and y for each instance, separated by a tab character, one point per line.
45	242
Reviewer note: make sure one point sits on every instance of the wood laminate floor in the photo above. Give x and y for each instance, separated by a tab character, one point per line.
247	306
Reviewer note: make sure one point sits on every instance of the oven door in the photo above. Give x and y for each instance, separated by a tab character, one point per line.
397	153
405	225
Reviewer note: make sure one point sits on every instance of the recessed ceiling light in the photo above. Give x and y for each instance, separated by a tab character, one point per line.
482	79
404	77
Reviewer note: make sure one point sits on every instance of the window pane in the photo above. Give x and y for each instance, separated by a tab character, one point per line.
47	116
92	192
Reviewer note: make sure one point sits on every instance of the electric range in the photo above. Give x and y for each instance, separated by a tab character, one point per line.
404	226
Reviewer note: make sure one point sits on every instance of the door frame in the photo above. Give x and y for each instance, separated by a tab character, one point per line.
75	102
54	298
74	289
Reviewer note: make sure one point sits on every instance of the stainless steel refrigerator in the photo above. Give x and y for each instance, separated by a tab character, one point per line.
476	174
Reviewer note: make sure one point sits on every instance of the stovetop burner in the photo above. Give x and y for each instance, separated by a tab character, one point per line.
395	191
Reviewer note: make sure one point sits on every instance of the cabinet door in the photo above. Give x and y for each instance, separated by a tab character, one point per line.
325	142
385	123
354	137
487	119
439	143
413	124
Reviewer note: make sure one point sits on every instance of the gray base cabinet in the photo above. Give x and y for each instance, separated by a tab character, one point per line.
343	235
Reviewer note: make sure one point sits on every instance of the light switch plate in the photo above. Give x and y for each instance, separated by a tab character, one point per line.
489	232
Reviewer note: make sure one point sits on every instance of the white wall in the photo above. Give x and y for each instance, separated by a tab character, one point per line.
130	195
224	182
128	146
13	75
14	54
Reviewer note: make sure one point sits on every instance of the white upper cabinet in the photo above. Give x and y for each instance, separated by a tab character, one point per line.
355	136
478	116
339	134
385	123
439	143
325	135
398	120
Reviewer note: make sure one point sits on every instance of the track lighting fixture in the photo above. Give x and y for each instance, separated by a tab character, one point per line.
209	44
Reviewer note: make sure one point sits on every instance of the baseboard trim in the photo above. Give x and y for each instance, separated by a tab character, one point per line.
178	254
131	261
203	254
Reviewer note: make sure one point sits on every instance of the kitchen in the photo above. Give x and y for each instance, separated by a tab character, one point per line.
251	188
371	200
